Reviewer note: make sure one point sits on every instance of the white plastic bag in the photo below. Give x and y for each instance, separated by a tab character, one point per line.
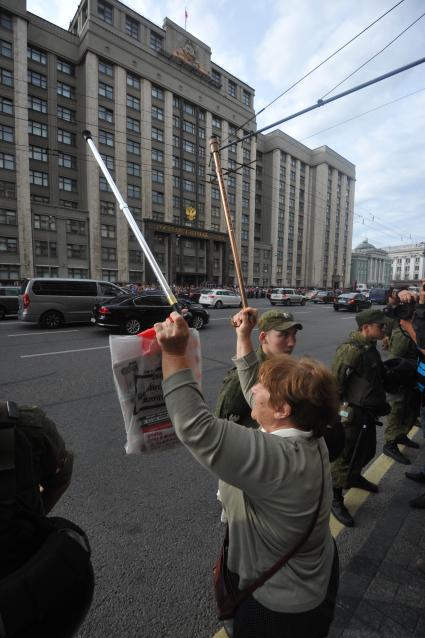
137	369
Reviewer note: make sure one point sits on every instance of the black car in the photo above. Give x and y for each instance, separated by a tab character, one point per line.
9	300
354	301
324	296
134	313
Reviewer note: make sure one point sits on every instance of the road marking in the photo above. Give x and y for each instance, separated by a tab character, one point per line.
30	334
354	498
48	354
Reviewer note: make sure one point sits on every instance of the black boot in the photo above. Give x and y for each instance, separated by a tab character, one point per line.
339	510
391	450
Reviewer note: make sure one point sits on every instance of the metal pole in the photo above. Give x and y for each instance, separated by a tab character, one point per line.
134	227
230	229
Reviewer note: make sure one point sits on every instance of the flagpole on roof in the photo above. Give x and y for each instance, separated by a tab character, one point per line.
185	18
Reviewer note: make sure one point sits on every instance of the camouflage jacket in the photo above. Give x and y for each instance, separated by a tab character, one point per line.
231	402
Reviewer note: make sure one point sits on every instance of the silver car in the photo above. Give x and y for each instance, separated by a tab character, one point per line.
219	297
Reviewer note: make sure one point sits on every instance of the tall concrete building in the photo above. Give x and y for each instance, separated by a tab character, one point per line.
152	97
407	262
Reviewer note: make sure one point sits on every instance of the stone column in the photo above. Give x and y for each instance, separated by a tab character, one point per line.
122	227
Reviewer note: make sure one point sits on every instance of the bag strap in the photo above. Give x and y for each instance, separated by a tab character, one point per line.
281	562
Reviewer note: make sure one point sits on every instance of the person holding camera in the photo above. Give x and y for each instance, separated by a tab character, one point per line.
405	400
360	374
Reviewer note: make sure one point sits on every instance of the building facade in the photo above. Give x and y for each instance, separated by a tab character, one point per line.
370	266
407	262
152	97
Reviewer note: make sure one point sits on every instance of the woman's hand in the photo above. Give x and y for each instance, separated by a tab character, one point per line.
172	335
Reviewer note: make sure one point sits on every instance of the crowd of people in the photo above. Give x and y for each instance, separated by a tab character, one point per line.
280	472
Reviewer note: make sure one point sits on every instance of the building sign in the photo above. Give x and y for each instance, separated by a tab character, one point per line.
186	232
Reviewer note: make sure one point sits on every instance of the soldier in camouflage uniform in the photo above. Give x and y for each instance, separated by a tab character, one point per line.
406	404
278	332
360	375
53	463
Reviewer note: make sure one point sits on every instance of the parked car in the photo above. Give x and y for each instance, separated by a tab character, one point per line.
9	300
286	297
53	302
219	297
355	301
379	295
324	296
134	313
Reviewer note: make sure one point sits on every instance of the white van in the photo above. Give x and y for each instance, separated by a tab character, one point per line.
54	302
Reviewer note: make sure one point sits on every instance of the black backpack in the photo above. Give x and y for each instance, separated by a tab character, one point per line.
46	576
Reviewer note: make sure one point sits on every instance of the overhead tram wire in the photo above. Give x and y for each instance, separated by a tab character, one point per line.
316	67
320	102
373	56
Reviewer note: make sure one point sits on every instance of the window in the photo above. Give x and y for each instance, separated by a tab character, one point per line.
106	68
75	227
76	251
157	197
103	185
133	102
133	169
45	248
188	108
157	93
37	128
37	104
107	115
6	133
7	161
176	181
106	137
216	122
6	21
37	79
66	90
157	113
188	166
8	245
6	106
156	42
188	127
6	49
188	185
201	133
157	176
44	222
157	155
215	193
38	153
109	253
133	147
132	27
157	134
78	273
108	160
231	88
67	184
133	80
36	55
176	201
216	76
105	11
6	77
65	67
189	147
133	190
8	217
133	125
106	231
105	90
66	137
39	178
65	114
67	161
107	208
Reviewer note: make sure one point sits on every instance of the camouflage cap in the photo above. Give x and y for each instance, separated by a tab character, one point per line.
371	316
277	320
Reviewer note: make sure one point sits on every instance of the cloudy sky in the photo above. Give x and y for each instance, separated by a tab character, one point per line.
273	43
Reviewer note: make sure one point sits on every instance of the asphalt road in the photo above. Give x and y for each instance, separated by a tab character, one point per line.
153	521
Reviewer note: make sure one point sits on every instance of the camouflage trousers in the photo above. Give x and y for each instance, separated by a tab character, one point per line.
365	451
404	412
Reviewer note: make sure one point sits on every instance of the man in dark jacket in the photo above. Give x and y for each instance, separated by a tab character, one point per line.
278	335
360	375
